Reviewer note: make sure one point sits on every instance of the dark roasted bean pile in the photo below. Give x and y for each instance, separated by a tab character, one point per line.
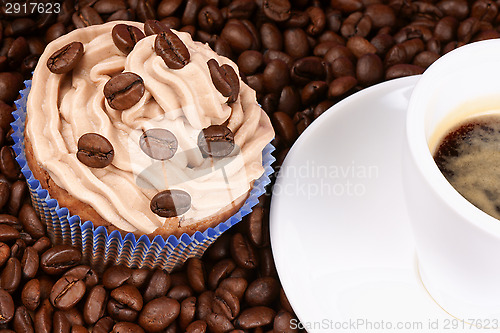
301	56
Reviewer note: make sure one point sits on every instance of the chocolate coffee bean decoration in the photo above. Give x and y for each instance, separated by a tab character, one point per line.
66	58
172	50
225	80
158	143
126	36
124	90
95	151
170	203
216	141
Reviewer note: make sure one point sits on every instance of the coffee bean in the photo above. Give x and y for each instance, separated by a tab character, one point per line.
243	252
180	292
382	42
271	37
119	312
289	100
204	304
10	277
95	304
313	92
347	6
277	10
94	150
60	258
8	233
187	312
42	244
467	29
22	320
196	274
218	323
308	69
235	285
29	263
154	27
30	221
126	36
17	51
8	164
67	292
172	50
4	253
282	322
6	307
125	327
128	296
168	7
359	46
225	80
159	313
124	91
30	295
342	66
369	69
10	83
43	317
296	43
84	273
86	17
78	329
103	325
4	192
158	143
170	203
255	317
402	70
158	285
341	86
139	277
262	291
225	303
446	29
249	62
381	15
356	24
456	8
198	326
60	323
66	58
109	6
284	126
210	19
115	276
425	58
216	141
238	36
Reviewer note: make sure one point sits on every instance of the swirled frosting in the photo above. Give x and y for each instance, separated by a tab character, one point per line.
63	107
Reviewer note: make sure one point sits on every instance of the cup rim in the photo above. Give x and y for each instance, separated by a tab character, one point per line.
418	145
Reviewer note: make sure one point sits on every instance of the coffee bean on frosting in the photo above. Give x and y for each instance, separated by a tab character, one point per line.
172	50
124	90
170	203
158	143
66	58
216	141
225	80
126	36
94	150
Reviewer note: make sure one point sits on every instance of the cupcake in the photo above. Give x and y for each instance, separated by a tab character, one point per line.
141	130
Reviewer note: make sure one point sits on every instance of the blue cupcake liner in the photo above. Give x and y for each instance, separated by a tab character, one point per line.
101	249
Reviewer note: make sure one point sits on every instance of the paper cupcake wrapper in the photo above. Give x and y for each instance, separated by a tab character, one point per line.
101	249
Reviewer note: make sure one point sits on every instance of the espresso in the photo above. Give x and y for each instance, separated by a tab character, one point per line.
469	158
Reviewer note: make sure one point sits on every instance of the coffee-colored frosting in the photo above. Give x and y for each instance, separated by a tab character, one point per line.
63	107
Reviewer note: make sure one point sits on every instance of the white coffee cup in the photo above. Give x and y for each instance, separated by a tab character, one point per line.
458	245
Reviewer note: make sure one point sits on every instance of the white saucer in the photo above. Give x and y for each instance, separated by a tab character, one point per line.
340	233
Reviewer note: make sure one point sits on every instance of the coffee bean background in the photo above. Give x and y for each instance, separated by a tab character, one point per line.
301	56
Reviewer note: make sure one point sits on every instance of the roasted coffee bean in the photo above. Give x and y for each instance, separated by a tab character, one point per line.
446	29
30	263
359	46
467	29
313	92
196	274
17	51
238	36
42	244
235	285
30	295
94	150
22	320
124	91
276	76
74	316
281	322
347	6
115	276
78	329
242	251
158	285
6	307
267	266
60	258
225	80
126	36
289	100
249	62
11	275
119	312
95	304
484	10
84	273
382	42
86	17
187	312
255	317
8	233
60	323
66	58
67	292
341	86
17	250
180	292
218	323
455	8
402	70
103	325
318	21
128	296
172	50
158	143
295	43
369	69
271	55
286	129
262	291
220	271
43	317
210	19
342	66
139	277
122	15
158	314
356	24
271	37
204	304
168	7
8	164
4	253
216	141
277	10
154	27
425	58
10	83
4	191
308	69
125	327
30	221
109	6
198	326
170	203
225	303
46	283
381	15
